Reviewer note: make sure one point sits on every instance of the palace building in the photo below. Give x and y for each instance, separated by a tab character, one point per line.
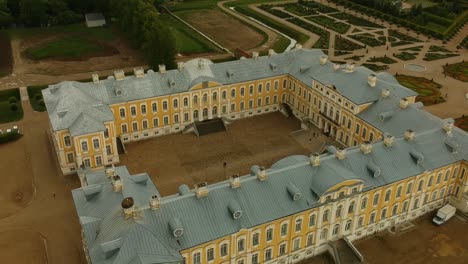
400	161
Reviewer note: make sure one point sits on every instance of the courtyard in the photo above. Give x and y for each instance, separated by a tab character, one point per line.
187	159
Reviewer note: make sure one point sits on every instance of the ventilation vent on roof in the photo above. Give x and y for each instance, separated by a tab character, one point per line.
230	74
418	157
180	65
171	83
451	144
139	72
404	103
372	80
374	169
315	159
323	59
340	153
117	183
62	113
128	206
388	140
95	77
350	67
201	189
385	116
260	172
235	209
118	90
176	227
409	135
91	190
162	68
111	247
119	75
155	202
234	181
273	66
184	189
294	192
385	93
366	147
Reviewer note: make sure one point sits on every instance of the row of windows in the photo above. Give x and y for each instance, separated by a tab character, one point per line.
84	144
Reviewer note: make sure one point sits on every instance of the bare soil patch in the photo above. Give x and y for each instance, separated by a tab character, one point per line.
16	189
224	29
14	244
187	159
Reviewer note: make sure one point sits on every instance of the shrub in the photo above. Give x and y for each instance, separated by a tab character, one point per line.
12	100
13	107
41	102
38	97
7	137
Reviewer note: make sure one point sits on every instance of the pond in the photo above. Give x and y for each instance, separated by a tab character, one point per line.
415	67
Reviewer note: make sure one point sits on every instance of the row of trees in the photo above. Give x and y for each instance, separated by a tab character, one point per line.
140	21
33	13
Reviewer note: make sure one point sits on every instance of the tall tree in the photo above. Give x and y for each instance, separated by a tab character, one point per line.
5	16
33	12
159	45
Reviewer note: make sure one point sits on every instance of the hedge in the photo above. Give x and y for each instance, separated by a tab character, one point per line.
9	136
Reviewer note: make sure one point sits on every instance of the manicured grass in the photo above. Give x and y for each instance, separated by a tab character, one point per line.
324	40
384	59
429	91
319	7
6	61
298	9
438	56
35	98
354	58
434	48
405	56
344	44
418	48
187	40
354	20
462	122
367	40
375	67
66	47
100	33
340	53
401	36
330	23
6	114
424	3
275	12
457	70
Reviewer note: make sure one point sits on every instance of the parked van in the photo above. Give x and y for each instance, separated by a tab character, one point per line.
444	214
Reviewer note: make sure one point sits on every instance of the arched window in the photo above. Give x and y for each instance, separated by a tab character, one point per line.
223	94
364	132
364	203
84	145
195	114
165	105
398	192
195	99
205	98
348	225
326	215
388	193
215	111
324	234
175	103
96	143
336	229
338	211
351	207
420	185
409	188
185	101
215	96
154	107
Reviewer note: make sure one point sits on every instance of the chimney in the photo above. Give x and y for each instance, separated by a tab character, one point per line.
201	189
128	206
271	52
372	80
385	93
366	147
155	202
336	66
95	78
341	154
409	135
117	183
298	46
162	68
350	67
260	172
315	159
110	171
119	75
403	103
180	65
448	126
234	181
388	140
139	72
323	59
255	55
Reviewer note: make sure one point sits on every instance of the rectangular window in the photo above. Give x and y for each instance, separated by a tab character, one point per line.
197	258
255	259
143	109
67	141
241	106
96	143
251	89
108	150
135	126
122	113
106	133
310	240
242	91
133	110
98	161
259	102
376	199
166	120
275	99
224	109
312	219
267	101
210	254
186	117
276	85
250	104
233	107
154	107
268	254
284	229
124	128
70	158
87	162
84	146
298	225
269	235
145	124
175	103
224	250
233	93
240	245
296	244
155	122
255	239
176	118
282	249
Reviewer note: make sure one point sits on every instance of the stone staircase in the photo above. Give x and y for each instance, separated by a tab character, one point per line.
345	253
209	126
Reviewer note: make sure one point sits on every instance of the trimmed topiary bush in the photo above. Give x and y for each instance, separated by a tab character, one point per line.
14	107
12	100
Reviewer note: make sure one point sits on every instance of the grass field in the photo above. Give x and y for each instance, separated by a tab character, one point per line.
429	91
6	114
35	97
424	3
438	56
65	47
457	70
344	44
368	40
324	40
375	67
462	122
354	20
187	40
330	23
6	61
383	59
405	56
99	33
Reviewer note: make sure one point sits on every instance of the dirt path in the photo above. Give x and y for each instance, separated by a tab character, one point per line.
272	36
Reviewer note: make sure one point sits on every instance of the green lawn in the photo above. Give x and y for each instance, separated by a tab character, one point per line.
438	56
344	44
457	70
35	97
367	40
429	91
424	3
405	56
187	39
6	114
100	33
383	59
354	20
65	47
330	23
324	40
375	67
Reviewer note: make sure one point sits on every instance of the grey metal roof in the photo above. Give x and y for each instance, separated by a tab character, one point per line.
302	64
208	218
94	17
